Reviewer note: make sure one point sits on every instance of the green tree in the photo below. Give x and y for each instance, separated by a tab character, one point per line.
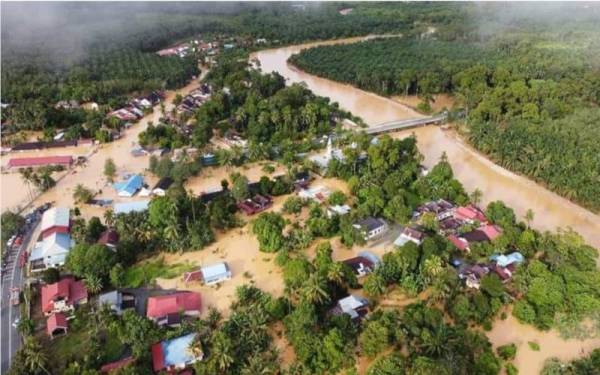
268	228
110	170
81	194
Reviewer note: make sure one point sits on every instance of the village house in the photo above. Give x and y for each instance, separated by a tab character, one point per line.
441	208
484	233
371	227
67	104
355	306
117	301
171	308
363	264
55	220
472	274
410	235
57	325
51	252
470	214
129	187
123	114
127	207
215	273
109	238
317	193
116	365
63	296
161	186
43	161
339	210
175	354
256	204
56	242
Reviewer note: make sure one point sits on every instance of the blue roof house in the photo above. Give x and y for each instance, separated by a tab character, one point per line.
507	260
130	187
175	354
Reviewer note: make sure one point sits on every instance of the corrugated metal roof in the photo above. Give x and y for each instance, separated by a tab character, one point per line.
124	208
215	270
39	161
55	217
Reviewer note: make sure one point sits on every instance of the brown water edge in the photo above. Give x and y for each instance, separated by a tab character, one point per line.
471	168
474	171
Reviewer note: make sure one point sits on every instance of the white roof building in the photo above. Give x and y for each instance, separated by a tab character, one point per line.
215	273
55	217
351	305
52	251
338	210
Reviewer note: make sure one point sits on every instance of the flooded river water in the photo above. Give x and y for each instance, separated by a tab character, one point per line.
474	171
471	168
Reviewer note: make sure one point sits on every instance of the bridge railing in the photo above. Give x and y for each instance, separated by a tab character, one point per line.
405	124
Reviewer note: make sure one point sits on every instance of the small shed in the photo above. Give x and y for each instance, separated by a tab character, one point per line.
215	273
57	325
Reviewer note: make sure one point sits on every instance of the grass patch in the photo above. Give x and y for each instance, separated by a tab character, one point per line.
534	346
70	347
146	271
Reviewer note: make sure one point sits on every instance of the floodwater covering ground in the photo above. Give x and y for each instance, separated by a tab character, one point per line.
474	171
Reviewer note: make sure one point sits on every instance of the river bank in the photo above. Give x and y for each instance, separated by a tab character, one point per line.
474	171
470	167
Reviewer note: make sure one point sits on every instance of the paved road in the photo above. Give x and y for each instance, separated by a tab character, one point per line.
12	276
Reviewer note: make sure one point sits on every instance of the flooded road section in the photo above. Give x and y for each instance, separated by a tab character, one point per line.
470	167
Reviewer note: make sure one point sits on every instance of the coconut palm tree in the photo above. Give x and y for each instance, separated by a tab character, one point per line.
529	215
476	196
109	217
335	273
81	194
35	359
27	176
221	352
314	289
93	284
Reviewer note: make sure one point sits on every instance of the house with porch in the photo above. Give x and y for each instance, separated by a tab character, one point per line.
170	309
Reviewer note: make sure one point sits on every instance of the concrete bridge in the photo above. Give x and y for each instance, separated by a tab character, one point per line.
394	126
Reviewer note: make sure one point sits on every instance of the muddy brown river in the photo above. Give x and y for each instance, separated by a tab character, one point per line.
474	171
470	167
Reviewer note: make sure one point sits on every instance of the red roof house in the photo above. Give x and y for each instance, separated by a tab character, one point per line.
460	243
109	238
168	309
63	295
57	324
470	213
112	366
491	231
40	161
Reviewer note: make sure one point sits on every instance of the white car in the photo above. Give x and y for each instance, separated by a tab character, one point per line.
16	322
